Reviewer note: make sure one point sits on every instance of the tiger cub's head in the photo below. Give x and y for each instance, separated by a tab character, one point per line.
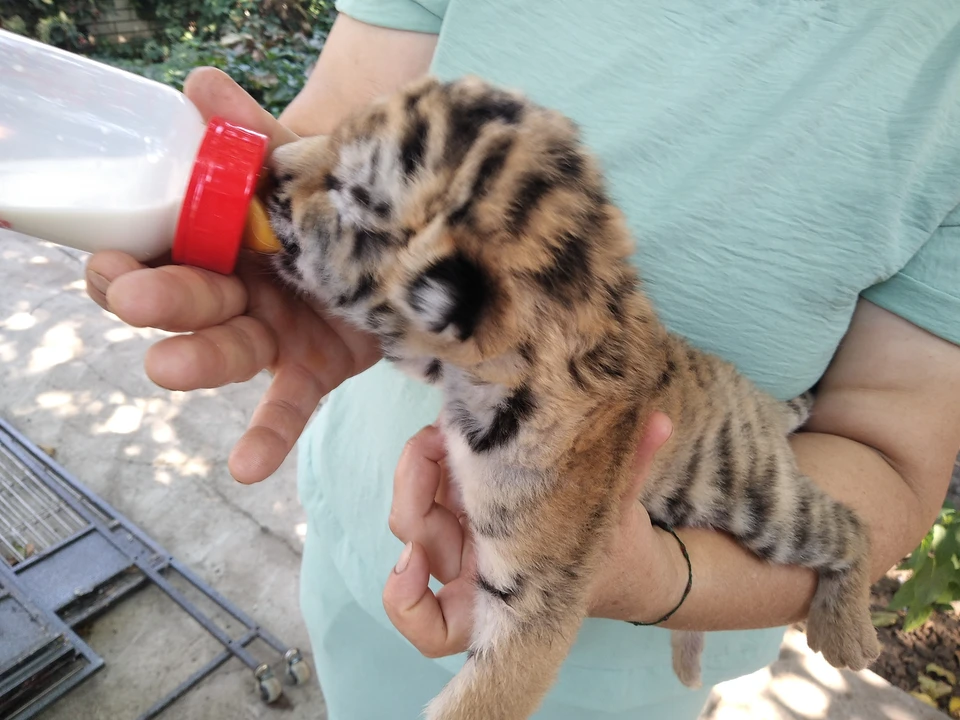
450	219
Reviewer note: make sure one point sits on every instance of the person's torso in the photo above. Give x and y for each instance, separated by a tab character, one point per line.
774	158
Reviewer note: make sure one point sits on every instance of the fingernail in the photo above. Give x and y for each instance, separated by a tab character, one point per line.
404	558
99	282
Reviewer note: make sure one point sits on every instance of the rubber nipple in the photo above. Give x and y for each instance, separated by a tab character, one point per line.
257	233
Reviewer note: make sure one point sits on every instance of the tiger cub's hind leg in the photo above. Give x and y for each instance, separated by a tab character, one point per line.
839	624
820	533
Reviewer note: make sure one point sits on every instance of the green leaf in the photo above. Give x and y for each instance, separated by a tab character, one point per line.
907	595
884	618
916	617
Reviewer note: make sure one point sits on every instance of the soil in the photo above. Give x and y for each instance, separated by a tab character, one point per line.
905	656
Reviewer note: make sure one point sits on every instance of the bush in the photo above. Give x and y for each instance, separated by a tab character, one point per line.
267	46
935	567
56	22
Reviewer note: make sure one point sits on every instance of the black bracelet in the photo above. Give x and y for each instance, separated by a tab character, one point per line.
686	591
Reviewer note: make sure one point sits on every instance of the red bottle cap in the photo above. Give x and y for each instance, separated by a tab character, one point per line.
214	211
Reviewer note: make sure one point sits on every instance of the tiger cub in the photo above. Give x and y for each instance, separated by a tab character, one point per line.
471	232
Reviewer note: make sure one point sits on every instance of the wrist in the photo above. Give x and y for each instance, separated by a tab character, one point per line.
674	575
643	576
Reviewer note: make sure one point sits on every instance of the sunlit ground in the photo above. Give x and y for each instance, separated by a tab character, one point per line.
72	375
72	380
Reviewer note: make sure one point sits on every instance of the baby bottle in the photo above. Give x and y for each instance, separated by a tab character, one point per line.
96	158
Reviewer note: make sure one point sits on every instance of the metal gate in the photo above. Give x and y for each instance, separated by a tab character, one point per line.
66	556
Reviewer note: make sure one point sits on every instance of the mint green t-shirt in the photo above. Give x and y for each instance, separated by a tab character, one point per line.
776	160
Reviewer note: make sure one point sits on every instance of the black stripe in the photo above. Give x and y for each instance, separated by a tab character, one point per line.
845	524
375	162
678	505
505	424
696	365
466	287
413	99
758	501
497	523
801	524
279	207
505	595
413	146
767	550
434	371
288	259
332	182
607	357
487	174
569	162
617	296
369	243
364	289
361	195
526	351
575	374
532	188
379	315
724	450
468	117
569	276
666	377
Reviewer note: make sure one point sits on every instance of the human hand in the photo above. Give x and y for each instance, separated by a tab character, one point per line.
640	578
233	327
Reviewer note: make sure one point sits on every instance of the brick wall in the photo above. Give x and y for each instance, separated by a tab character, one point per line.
120	24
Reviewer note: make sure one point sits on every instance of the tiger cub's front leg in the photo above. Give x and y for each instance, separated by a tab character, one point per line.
537	535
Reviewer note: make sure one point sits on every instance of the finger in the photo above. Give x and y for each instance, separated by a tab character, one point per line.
216	94
175	298
102	269
437	625
213	357
276	424
656	433
415	515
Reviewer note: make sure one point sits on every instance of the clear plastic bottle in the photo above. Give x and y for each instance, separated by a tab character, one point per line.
96	158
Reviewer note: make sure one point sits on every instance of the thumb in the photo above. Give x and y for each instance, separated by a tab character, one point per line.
216	94
656	433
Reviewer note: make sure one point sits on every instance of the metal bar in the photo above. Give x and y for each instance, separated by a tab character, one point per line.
41	490
17	555
94	661
37	516
28	517
53	548
194	679
223	602
20	520
11	529
31	461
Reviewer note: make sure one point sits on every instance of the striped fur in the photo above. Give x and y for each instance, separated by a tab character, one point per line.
471	232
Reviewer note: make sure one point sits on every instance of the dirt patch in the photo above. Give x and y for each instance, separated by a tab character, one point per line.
906	656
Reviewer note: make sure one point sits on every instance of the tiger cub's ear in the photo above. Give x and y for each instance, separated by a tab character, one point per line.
450	295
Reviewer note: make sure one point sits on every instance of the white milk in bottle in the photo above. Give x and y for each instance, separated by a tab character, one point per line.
96	158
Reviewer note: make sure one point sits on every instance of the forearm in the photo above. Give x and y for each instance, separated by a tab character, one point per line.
359	63
734	589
